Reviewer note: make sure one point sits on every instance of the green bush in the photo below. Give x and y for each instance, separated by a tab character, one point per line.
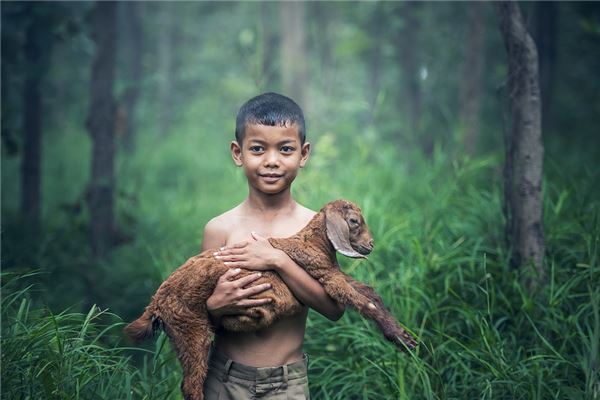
71	355
439	263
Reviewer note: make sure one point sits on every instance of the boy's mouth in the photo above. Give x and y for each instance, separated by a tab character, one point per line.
270	178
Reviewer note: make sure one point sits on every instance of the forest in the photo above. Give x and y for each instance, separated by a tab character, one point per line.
466	131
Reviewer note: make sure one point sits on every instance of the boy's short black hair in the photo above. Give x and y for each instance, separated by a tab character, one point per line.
269	109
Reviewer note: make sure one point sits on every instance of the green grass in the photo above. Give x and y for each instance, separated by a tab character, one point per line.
440	264
71	355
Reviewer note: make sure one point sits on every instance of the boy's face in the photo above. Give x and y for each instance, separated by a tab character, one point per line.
270	156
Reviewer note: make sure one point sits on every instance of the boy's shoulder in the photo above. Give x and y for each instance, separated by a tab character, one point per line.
227	219
304	212
218	228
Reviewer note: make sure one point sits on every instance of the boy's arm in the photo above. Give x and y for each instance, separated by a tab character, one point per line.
260	255
307	289
230	296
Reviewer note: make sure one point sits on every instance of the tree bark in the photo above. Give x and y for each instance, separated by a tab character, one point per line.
472	76
133	40
269	48
545	38
409	59
37	54
375	58
293	51
101	126
524	153
322	15
167	64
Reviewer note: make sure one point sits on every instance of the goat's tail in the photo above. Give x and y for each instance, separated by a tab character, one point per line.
143	327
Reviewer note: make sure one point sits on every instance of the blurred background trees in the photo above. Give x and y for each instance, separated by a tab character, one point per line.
524	152
408	108
101	124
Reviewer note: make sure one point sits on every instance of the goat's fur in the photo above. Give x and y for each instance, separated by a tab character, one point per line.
179	304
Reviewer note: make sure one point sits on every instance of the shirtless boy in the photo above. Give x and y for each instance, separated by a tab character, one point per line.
270	146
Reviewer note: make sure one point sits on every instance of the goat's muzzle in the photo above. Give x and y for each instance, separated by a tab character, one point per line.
365	249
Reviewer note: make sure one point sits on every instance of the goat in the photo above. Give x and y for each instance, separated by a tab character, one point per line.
179	304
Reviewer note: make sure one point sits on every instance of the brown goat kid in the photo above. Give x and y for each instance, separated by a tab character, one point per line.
179	304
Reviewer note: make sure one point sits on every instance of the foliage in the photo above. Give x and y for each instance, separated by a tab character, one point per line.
439	264
484	335
73	356
440	256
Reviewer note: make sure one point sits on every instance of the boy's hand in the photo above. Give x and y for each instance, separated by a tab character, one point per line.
257	254
231	296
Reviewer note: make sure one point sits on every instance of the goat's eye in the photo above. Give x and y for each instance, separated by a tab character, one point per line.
353	221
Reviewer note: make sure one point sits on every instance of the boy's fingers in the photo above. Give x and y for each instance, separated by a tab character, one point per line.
236	264
231	258
230	273
244	281
253	302
228	252
256	289
237	250
232	246
235	246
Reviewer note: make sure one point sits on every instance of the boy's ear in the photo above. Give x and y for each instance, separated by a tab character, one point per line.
236	153
304	153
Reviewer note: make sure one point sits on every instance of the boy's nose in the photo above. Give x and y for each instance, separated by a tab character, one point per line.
271	159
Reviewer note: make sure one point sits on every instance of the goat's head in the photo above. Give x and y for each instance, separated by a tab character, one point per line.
346	229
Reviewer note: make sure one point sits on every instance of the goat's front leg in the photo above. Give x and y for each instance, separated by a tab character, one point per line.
368	303
340	290
386	321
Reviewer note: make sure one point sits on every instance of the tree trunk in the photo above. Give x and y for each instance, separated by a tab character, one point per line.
269	48
545	38
409	59
472	76
36	60
167	64
524	155
133	40
375	58
101	125
293	51
322	14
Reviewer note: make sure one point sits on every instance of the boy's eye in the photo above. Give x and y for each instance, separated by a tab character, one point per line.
256	149
287	149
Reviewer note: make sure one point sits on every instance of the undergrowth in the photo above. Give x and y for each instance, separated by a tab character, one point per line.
440	264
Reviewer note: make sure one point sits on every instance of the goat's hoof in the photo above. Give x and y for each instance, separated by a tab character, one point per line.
408	342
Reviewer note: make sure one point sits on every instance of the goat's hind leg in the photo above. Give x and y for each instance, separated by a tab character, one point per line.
192	345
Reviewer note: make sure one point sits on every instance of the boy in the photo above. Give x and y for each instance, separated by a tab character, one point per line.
270	146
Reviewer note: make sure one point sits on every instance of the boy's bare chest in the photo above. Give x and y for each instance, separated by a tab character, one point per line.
241	229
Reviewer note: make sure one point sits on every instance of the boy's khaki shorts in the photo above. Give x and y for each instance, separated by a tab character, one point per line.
228	380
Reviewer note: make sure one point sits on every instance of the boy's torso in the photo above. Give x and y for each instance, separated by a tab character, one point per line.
281	343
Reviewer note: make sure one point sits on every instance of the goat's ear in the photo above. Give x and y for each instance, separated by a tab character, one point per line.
338	233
